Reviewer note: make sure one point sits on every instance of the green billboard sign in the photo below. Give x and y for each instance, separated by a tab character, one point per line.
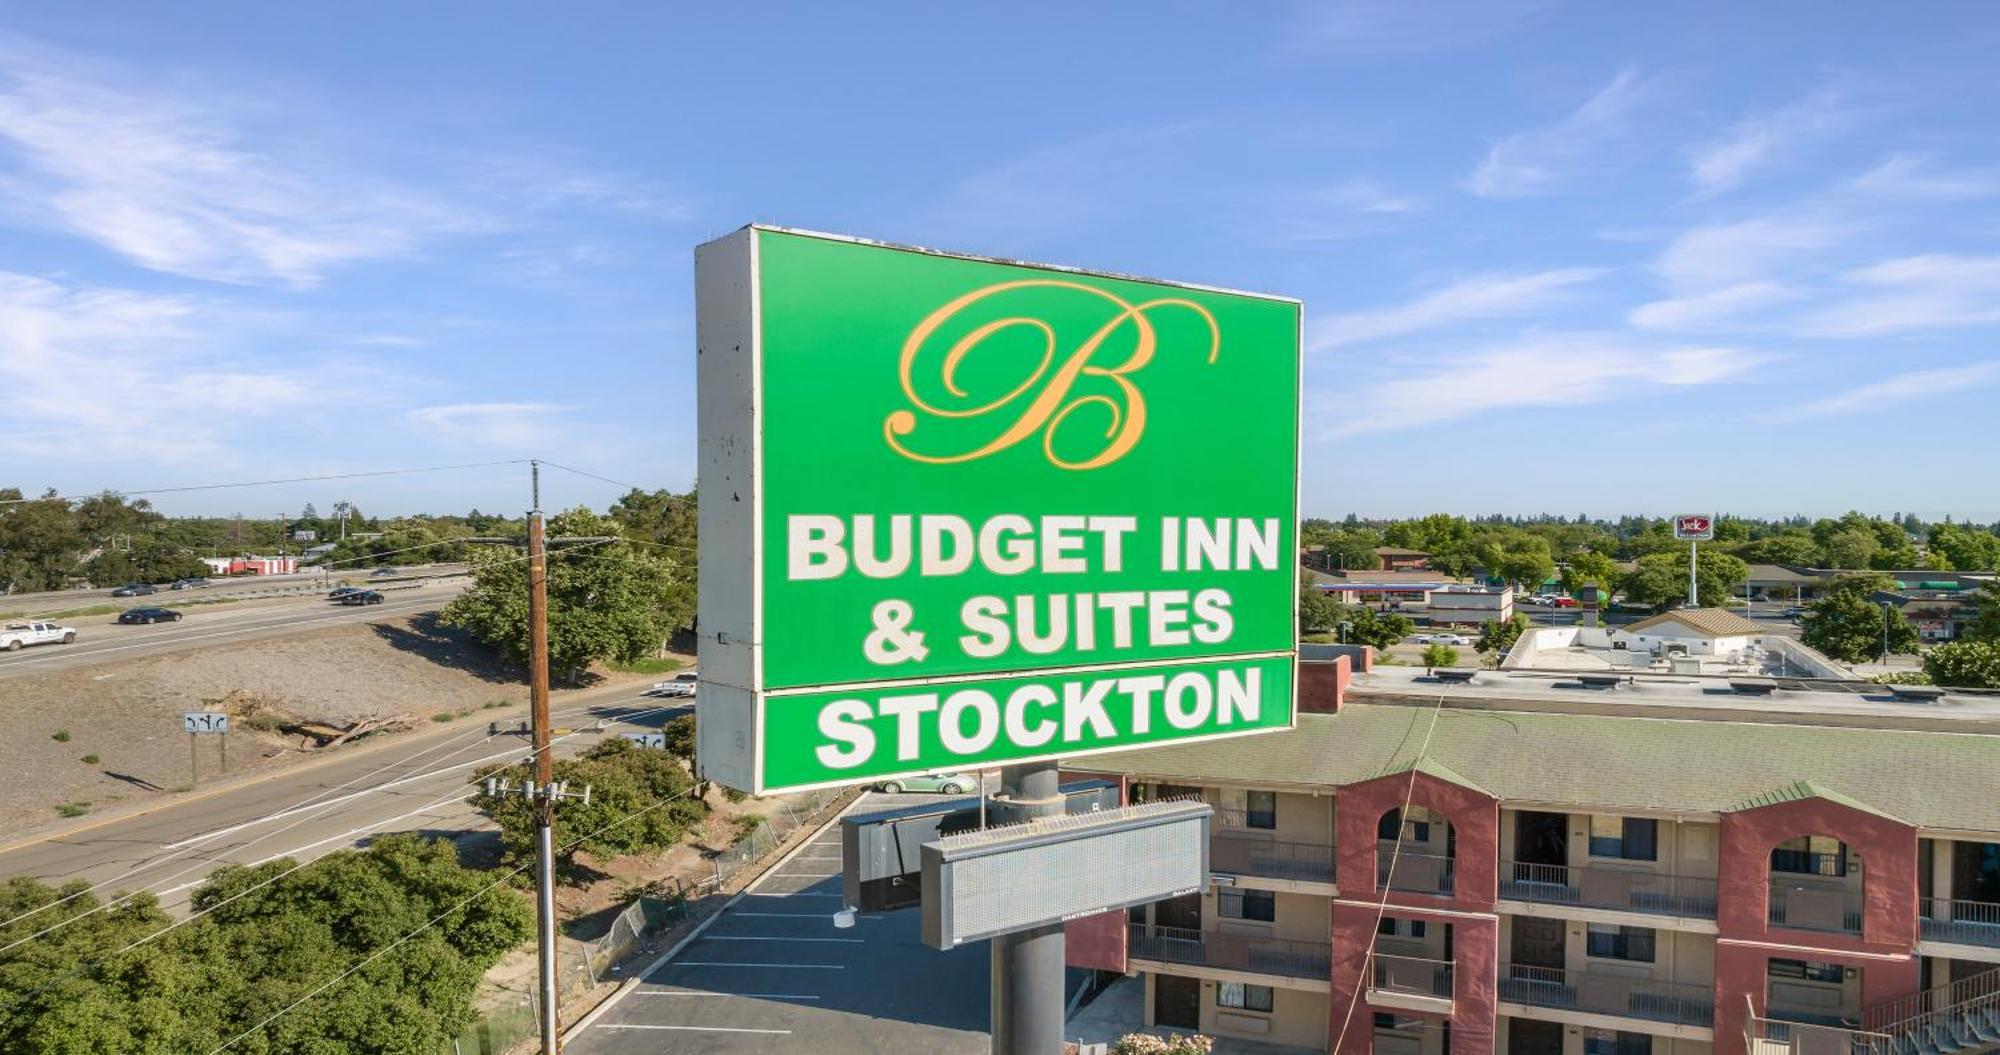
958	511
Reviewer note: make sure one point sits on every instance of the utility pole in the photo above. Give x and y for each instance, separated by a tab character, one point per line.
1027	1001
538	703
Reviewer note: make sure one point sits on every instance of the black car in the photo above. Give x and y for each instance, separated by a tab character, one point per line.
134	589
341	592
149	615
362	597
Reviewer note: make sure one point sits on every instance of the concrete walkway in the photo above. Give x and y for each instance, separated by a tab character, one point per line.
1121	1009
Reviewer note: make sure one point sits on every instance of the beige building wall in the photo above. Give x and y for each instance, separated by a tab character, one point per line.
1297	1018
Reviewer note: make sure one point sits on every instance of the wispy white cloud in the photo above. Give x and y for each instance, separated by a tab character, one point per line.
1352	208
1564	370
1747	251
1901	388
1544	160
1937	291
1394	27
171	183
1711	308
1911	177
514	426
1762	140
105	374
1478	297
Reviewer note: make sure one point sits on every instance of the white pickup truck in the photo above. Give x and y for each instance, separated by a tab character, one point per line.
14	635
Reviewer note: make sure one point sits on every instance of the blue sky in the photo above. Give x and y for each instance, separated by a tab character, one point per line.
1555	257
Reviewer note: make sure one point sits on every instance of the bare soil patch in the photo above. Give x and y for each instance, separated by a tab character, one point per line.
125	714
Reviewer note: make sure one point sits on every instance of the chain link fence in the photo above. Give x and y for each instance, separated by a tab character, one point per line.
639	928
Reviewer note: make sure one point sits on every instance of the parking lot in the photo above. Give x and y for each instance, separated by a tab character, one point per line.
773	974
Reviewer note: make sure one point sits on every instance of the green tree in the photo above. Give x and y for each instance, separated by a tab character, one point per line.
1847	625
1347	549
1795	548
1661	579
1852	549
670	522
1590	568
1378	630
1436	656
605	599
1964	664
652	788
1496	638
1985	622
1317	608
1964	549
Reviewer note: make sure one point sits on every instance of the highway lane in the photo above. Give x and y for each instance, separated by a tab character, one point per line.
205	627
413	783
29	604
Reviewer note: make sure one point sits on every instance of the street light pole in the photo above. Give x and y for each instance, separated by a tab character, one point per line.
1885	633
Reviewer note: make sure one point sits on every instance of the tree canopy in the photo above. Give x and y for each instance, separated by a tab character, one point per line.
72	992
1964	664
607	601
1847	625
650	787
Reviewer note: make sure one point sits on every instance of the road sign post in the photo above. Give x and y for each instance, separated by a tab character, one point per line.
198	724
962	513
1695	528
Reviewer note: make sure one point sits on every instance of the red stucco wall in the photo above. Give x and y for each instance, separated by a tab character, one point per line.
1474	816
1322	686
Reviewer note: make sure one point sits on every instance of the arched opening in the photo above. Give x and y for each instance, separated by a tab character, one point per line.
1416	851
1816	884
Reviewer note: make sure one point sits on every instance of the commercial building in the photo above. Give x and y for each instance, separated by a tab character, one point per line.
1563	863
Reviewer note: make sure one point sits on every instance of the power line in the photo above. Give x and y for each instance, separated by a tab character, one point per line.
594	476
267	483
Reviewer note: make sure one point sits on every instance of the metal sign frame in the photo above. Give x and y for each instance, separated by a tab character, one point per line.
1694	527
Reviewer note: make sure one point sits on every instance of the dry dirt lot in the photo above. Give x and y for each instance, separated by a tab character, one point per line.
127	712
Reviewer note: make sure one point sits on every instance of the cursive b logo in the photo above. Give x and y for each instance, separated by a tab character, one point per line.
1042	401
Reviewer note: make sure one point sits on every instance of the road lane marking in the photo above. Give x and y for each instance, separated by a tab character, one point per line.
700	1029
88	652
798	894
753	937
779	966
807	875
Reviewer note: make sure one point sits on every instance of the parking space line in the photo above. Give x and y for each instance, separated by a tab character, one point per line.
799	893
697	1029
746	996
807	875
749	937
781	966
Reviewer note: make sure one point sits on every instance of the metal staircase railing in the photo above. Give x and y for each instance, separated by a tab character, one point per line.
1962	1017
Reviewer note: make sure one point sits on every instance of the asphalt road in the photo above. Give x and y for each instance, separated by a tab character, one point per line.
205	626
773	974
26	604
417	783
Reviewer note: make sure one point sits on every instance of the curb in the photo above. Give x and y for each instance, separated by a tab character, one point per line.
638	978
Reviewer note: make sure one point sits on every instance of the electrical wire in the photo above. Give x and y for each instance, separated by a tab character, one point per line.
594	476
1382	906
266	483
434	921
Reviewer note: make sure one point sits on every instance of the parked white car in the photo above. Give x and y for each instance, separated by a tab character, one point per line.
1443	639
14	636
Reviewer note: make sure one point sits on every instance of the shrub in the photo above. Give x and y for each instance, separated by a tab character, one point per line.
1148	1044
1440	656
90	760
73	809
61	736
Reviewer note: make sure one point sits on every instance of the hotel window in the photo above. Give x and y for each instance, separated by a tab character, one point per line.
1620	943
1243	997
1805	970
1607	1042
1818	855
1390	928
1416	827
1628	838
1260	905
1259	809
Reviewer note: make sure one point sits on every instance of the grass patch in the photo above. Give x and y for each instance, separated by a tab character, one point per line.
494	705
60	736
647	665
73	809
447	716
95	609
90	760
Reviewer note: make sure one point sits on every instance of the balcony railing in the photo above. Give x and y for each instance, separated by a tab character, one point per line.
1778	1036
1619	889
1604	994
1807	904
1964	922
1233	853
1415	872
1230	952
1413	976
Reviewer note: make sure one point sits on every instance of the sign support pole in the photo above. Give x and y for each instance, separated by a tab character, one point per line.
538	703
1694	597
194	760
1027	1001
